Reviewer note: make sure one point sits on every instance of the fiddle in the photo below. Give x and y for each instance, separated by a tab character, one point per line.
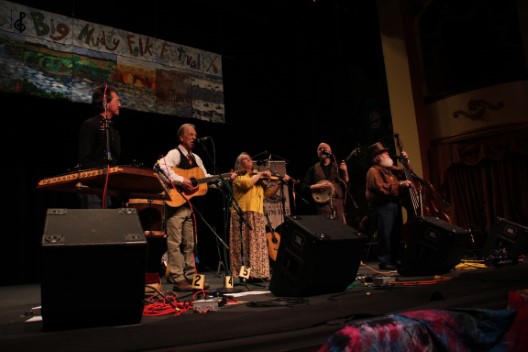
265	181
269	183
272	177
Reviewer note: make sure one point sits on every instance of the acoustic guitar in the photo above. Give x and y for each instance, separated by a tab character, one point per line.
273	240
178	197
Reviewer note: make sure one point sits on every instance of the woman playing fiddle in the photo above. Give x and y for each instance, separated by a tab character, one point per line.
247	235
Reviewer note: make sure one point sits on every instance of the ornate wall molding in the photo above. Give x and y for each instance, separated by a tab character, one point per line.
477	109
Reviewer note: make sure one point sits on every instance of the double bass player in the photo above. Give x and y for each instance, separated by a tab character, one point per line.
385	187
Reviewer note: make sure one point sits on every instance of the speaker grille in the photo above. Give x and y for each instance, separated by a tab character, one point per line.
435	247
93	268
316	255
507	236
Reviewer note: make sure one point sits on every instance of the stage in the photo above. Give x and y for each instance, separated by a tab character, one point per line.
257	320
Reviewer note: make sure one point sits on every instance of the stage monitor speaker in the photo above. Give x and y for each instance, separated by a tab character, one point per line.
316	255
92	268
435	247
507	236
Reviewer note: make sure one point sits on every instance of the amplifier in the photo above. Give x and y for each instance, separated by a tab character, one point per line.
510	237
435	247
83	252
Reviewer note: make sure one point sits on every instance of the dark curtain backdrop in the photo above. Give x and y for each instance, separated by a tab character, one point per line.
295	74
484	175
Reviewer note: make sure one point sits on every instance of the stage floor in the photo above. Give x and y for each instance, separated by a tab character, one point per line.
256	320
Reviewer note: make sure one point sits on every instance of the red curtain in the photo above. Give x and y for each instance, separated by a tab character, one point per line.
483	175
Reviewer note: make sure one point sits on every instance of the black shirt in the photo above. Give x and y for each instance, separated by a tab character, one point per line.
93	143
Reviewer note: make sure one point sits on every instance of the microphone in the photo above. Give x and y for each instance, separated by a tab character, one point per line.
202	140
326	152
157	168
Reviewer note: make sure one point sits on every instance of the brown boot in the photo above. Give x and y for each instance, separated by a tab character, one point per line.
182	285
205	285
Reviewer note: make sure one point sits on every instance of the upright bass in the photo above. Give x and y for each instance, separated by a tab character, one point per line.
424	200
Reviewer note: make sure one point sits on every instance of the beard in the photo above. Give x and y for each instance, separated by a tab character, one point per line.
386	162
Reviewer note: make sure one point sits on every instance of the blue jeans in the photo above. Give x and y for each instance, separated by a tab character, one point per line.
389	226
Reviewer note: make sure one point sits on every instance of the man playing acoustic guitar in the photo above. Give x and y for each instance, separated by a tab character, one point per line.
182	169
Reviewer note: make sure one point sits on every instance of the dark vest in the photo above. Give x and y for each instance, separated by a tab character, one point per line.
330	174
184	161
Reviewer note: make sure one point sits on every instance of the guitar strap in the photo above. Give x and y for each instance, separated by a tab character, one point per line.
319	173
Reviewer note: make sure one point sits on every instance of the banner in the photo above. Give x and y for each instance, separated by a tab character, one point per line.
59	57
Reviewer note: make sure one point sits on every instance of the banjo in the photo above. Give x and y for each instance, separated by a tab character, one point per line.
323	195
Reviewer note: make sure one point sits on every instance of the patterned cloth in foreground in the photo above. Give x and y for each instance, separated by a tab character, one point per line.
440	330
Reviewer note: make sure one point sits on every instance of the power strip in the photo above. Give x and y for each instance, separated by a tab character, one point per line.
206	305
383	280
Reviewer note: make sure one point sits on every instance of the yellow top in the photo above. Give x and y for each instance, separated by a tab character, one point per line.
249	196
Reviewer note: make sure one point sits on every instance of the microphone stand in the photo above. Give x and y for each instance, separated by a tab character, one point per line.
283	200
278	157
108	156
106	127
221	180
241	220
237	208
226	186
264	153
223	185
211	228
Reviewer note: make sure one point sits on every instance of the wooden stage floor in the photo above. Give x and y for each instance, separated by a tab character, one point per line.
255	320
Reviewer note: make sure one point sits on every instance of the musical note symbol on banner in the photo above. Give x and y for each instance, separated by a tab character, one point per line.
19	26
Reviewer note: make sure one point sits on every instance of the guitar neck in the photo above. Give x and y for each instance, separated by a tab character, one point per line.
212	178
177	196
269	223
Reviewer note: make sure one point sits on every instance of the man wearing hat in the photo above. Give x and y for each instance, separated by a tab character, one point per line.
385	185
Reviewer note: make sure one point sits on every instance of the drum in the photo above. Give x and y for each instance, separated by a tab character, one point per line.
151	215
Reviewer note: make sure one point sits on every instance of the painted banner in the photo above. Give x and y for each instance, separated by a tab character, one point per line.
59	57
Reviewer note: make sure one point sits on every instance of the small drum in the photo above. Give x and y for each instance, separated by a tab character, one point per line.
151	215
